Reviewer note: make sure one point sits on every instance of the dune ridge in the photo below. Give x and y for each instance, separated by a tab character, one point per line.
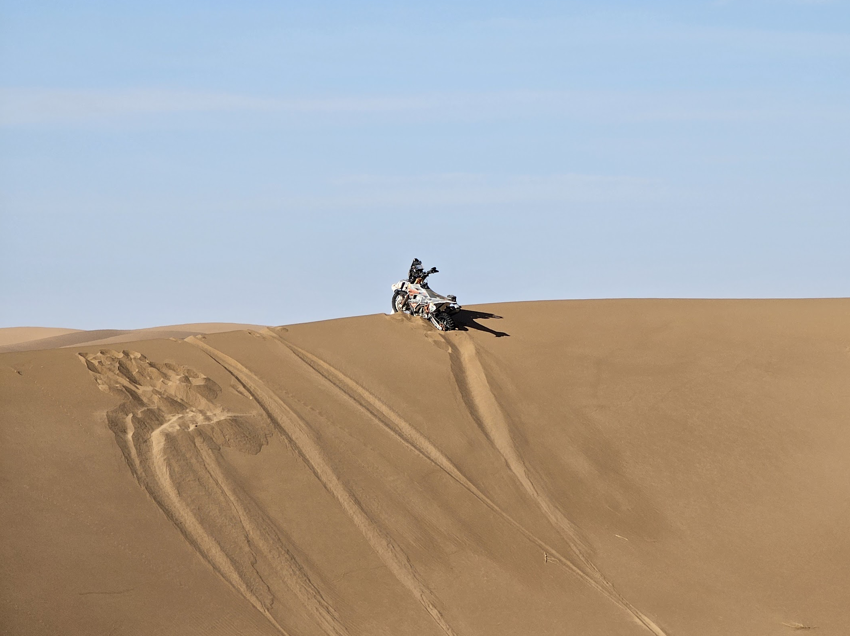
11	336
40	338
607	467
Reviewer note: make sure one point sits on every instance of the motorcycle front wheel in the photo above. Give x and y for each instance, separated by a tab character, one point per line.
399	298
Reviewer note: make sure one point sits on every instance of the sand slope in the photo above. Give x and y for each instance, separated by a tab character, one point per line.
587	467
39	338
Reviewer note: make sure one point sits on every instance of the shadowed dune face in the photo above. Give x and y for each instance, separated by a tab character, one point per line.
611	467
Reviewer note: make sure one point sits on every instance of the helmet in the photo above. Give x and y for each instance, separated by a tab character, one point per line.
417	264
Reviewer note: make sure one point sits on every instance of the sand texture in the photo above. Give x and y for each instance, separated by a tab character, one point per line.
631	467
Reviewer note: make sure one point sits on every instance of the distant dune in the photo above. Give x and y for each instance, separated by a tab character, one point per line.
21	335
37	338
667	467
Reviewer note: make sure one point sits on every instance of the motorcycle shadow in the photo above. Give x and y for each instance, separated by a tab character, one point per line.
465	320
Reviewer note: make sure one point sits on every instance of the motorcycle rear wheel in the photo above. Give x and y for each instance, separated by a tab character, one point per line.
443	321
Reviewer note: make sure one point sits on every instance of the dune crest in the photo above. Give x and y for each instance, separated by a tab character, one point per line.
604	467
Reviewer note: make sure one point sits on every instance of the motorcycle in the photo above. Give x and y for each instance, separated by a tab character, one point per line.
424	302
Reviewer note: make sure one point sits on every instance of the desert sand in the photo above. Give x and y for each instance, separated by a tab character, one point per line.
35	338
12	336
667	467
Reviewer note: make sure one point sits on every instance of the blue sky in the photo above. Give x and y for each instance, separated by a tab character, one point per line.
279	162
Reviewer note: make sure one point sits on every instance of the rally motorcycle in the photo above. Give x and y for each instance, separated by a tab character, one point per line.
421	301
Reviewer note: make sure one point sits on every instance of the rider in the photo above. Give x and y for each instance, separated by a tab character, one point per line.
416	273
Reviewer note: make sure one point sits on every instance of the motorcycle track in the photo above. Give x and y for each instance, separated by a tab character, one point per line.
297	431
473	386
168	427
400	428
485	410
163	429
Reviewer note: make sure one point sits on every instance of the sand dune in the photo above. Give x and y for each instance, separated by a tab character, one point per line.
19	335
592	467
38	338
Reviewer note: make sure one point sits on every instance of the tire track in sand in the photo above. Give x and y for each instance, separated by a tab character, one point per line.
164	430
298	432
385	416
485	410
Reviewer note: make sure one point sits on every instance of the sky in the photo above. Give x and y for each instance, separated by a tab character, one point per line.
283	162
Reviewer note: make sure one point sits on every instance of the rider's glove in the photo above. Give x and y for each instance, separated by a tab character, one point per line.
433	270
